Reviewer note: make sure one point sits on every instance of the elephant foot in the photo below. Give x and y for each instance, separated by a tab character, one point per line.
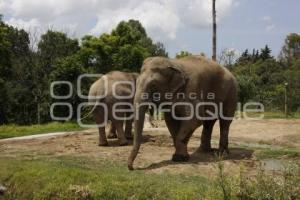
112	136
223	152
123	143
103	144
129	137
205	149
180	158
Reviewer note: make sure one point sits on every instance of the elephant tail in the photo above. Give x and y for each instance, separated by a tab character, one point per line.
95	95
89	113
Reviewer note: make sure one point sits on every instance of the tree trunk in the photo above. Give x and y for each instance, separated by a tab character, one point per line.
214	38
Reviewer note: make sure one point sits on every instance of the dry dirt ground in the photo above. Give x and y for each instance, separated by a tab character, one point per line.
157	147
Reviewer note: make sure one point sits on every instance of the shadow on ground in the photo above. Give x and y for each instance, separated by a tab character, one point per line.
115	142
201	157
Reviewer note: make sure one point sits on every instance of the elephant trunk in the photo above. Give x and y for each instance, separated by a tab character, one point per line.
139	113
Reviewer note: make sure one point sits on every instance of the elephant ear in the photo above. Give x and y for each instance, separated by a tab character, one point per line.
178	78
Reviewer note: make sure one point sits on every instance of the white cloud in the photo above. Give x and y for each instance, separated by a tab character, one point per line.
32	23
157	18
162	18
266	18
270	27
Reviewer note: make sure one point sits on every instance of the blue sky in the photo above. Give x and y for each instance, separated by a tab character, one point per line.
251	24
179	24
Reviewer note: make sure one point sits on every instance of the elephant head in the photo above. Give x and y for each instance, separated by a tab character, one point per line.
158	76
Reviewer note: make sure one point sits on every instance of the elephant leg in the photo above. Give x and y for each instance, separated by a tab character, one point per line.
185	132
112	131
205	145
224	131
120	133
172	124
99	119
128	129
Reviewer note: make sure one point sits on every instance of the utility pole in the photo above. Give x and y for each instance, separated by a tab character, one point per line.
285	100
214	37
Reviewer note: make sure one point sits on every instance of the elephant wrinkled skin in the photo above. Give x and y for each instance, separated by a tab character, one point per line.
198	80
106	88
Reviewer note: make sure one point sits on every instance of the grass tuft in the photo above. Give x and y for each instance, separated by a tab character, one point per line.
9	131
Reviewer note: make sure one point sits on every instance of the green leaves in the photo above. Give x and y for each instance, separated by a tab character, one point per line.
26	74
262	78
291	49
183	54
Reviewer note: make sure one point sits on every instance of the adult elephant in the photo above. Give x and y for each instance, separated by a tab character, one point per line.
188	90
110	93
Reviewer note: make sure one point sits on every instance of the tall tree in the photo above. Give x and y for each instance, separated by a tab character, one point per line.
291	49
265	53
214	37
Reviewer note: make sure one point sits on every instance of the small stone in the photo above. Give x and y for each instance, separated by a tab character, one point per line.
2	190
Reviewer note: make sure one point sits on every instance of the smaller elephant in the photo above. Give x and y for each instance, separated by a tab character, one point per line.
109	90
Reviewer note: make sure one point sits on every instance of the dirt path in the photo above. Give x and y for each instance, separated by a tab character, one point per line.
157	147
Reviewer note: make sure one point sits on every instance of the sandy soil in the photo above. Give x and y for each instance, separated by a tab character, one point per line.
157	147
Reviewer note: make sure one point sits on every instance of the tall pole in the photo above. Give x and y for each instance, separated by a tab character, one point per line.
285	100
214	39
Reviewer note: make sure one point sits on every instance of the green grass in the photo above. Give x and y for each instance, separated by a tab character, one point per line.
277	153
78	178
83	179
9	131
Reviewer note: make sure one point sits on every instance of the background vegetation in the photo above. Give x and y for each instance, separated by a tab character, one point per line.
27	70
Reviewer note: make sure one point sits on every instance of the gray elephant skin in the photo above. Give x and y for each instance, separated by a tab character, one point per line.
199	81
104	91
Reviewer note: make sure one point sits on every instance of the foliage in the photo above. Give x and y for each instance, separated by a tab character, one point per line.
263	79
291	48
26	74
16	77
183	54
227	57
265	186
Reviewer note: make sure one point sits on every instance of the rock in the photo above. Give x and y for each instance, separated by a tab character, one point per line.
2	190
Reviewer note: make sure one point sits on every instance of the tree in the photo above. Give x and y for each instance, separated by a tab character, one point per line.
69	69
16	78
159	50
124	49
246	88
182	54
265	53
292	77
214	37
228	57
130	57
291	49
54	45
26	73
